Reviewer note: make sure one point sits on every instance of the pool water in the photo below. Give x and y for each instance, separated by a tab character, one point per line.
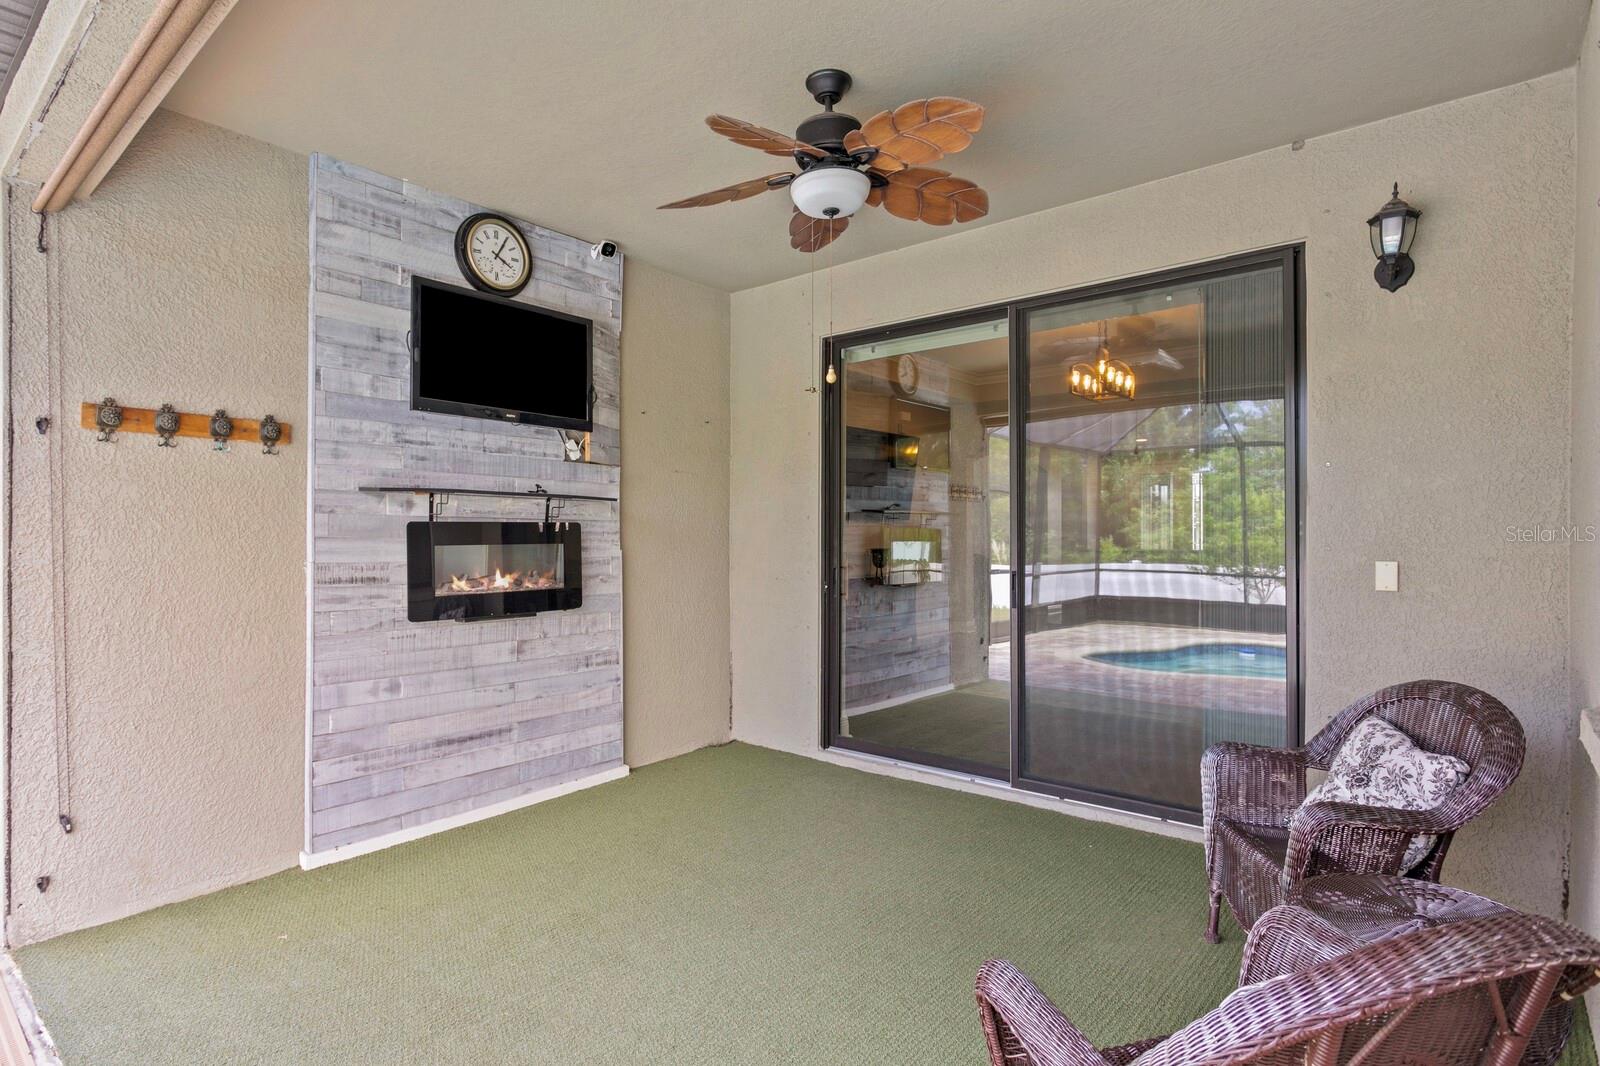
1229	660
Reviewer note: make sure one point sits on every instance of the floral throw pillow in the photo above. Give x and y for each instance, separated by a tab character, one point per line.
1379	766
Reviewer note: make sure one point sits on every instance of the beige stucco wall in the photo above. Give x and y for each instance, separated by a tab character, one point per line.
184	281
1437	417
1584	909
675	687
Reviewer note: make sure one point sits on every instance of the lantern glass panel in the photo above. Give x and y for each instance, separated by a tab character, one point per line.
1408	234
1392	228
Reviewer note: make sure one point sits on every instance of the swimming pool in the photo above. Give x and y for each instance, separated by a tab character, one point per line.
1229	660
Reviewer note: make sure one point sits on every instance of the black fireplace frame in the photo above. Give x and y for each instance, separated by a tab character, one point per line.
424	605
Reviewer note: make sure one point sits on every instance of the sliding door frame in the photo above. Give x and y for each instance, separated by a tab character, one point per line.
833	568
1291	260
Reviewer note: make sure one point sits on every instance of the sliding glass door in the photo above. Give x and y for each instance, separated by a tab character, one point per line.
1119	464
922	528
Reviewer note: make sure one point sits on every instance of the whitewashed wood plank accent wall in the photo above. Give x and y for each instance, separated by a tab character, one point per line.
411	723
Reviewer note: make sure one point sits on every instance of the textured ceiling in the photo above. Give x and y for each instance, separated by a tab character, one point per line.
585	116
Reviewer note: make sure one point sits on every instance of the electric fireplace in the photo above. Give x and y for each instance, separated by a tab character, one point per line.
468	571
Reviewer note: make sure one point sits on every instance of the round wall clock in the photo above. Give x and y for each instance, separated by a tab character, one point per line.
906	375
493	254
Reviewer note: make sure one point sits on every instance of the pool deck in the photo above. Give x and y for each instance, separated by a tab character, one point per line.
1058	659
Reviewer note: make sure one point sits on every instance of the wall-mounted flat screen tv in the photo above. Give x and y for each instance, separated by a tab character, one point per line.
489	357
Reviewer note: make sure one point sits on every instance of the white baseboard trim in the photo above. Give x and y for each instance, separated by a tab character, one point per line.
1002	790
311	860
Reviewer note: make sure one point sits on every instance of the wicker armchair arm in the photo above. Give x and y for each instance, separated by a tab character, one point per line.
1365	840
1249	783
1288	939
1018	1018
1375	980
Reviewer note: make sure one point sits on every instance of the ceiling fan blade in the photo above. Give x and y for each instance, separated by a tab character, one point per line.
918	132
808	234
729	193
759	137
920	194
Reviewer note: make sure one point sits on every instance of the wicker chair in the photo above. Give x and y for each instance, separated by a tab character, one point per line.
1259	844
1291	939
1471	992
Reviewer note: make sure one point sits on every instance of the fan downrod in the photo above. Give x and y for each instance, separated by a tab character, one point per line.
826	129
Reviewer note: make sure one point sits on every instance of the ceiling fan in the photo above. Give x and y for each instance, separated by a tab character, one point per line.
845	163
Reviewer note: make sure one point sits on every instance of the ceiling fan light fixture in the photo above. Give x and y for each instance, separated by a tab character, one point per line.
830	191
846	164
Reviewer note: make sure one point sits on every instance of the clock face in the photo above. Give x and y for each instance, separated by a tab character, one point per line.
906	374
493	254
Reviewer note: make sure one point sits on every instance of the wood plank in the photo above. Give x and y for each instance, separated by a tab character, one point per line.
415	722
143	420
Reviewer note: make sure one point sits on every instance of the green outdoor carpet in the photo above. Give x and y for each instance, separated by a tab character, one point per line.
734	905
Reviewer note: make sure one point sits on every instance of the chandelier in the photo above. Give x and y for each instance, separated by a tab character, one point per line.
1106	378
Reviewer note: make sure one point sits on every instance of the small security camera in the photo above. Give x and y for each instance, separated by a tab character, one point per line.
603	250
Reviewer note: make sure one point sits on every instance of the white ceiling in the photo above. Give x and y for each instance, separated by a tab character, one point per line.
585	114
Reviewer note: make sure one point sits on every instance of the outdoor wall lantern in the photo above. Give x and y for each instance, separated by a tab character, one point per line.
1392	231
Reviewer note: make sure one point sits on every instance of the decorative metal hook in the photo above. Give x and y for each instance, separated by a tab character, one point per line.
271	433
108	416
221	429
167	426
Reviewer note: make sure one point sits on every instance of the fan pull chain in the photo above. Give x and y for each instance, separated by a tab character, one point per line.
832	376
811	295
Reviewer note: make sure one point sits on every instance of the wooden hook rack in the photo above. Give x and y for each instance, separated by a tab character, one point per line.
143	420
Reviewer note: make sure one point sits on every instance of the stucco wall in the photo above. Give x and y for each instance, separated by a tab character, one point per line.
184	281
674	514
1584	908
1437	418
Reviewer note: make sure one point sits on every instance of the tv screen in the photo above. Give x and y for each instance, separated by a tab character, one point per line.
488	357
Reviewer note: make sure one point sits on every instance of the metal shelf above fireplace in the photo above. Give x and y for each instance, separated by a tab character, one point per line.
436	495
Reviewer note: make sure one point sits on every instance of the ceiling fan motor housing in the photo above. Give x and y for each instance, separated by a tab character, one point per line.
826	130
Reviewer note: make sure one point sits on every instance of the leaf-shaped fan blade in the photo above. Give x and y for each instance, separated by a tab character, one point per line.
917	133
807	234
759	137
729	193
932	196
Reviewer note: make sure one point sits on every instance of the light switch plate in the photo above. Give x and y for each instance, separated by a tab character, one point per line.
1386	577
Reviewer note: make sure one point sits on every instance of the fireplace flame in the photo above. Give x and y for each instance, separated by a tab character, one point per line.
499	581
